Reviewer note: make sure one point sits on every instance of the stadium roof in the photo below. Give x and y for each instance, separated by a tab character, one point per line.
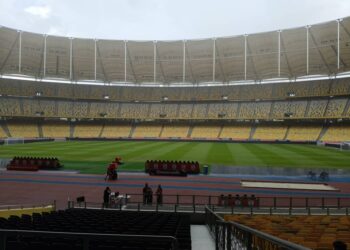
321	49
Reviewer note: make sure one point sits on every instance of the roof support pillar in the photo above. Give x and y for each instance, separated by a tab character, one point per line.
71	59
245	57
20	52
214	59
338	44
307	49
154	61
95	66
184	62
44	69
125	54
279	53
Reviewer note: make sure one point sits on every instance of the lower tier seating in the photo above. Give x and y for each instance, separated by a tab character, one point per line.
315	232
100	222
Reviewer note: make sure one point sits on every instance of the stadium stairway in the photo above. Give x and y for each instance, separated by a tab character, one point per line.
201	238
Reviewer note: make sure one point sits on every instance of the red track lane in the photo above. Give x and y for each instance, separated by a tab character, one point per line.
42	187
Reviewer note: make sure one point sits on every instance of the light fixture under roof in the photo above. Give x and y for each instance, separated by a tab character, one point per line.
165	98
38	93
106	97
291	94
224	97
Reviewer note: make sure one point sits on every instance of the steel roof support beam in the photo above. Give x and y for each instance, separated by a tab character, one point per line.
307	50
279	53
189	63
45	47
214	59
338	44
71	59
245	57
160	64
184	62
154	62
220	65
20	52
319	52
288	65
95	59
131	66
106	79
125	51
253	65
42	61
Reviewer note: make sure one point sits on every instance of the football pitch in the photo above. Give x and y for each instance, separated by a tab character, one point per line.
94	156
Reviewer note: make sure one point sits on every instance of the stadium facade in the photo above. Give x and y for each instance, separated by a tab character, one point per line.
266	86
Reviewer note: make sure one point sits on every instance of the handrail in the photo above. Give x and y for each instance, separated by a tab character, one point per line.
248	233
85	236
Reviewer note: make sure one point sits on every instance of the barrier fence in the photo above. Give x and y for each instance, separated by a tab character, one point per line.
197	203
82	239
232	235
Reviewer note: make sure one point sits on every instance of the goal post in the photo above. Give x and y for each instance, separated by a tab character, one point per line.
13	140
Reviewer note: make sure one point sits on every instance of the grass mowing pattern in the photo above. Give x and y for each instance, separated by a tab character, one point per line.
93	156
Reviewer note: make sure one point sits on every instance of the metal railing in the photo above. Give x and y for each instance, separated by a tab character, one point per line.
232	235
197	203
84	238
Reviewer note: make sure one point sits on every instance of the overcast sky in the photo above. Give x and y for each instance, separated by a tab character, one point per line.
165	19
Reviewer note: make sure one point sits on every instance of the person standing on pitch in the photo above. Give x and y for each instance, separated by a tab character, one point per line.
159	194
106	194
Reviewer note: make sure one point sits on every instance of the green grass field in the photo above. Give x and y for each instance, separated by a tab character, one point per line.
93	156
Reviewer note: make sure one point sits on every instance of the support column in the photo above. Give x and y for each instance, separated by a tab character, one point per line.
245	57
214	59
95	59
71	59
44	73
279	53
184	62
20	52
338	44
154	61
307	49
125	51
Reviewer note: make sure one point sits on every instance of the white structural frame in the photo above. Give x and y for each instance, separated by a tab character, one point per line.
71	59
245	57
214	58
154	61
307	49
44	67
95	66
20	52
338	43
279	52
184	62
125	54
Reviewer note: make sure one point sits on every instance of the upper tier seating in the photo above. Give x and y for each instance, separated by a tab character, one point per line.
316	232
101	221
247	92
2	132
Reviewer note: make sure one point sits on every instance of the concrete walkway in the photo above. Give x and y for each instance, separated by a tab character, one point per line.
201	238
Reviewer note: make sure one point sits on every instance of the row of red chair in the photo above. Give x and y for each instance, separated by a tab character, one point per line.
180	167
33	163
238	201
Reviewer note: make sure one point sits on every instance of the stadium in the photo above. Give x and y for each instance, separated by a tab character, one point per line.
248	136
